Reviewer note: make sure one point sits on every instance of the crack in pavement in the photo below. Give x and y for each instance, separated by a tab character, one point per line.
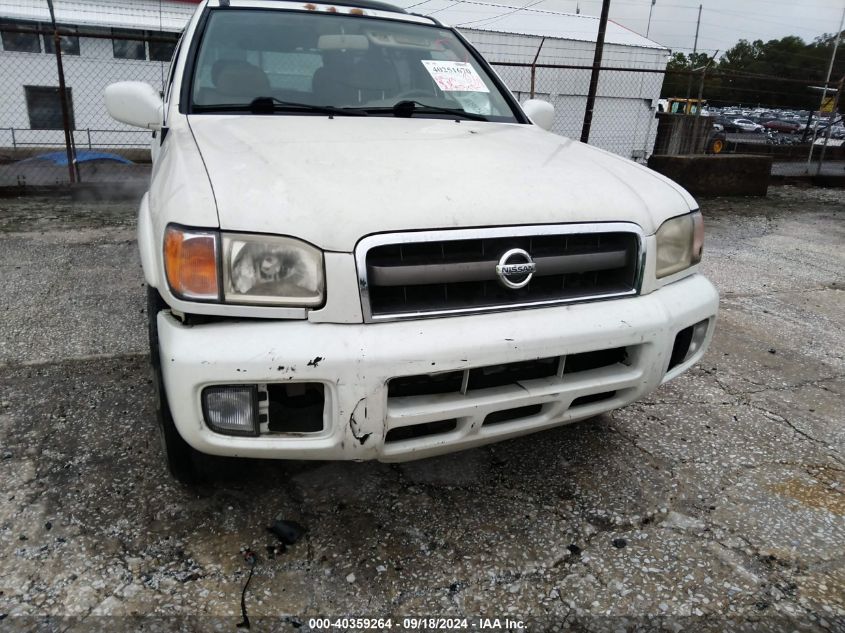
655	461
71	360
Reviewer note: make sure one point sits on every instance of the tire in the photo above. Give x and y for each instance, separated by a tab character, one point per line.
717	146
179	457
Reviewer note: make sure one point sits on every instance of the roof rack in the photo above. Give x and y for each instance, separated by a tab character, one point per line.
361	4
367	4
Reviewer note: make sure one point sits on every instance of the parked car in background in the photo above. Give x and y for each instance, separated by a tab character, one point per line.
743	125
818	124
837	132
784	127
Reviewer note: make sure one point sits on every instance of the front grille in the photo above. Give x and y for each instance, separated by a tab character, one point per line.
415	431
508	415
470	380
414	275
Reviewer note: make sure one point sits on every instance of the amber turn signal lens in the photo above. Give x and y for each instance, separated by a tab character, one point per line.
697	236
190	261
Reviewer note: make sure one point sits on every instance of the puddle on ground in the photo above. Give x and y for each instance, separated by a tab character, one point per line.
824	491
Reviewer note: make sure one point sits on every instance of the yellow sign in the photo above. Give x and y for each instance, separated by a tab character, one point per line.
827	104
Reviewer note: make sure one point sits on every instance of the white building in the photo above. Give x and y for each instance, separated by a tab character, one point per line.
623	116
30	109
133	39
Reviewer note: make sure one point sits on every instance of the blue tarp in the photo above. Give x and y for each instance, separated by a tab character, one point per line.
60	158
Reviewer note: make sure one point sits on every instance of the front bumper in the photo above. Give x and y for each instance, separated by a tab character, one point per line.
357	361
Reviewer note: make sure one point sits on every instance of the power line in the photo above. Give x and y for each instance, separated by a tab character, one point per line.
444	8
502	15
759	19
416	5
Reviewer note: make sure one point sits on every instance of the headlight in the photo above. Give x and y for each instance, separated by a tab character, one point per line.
266	270
679	243
256	269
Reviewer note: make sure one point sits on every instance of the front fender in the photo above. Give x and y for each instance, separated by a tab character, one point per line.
146	243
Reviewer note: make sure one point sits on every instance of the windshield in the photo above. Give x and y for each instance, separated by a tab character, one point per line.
323	63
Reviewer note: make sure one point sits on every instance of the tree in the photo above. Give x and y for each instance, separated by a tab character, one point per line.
776	62
743	56
677	83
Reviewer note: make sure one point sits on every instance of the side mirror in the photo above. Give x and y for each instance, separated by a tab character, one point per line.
136	103
540	112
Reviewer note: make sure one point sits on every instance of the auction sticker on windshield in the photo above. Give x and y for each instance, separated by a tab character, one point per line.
454	76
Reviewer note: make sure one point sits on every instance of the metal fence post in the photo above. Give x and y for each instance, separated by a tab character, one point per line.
696	124
534	66
594	76
57	45
14	142
826	85
830	126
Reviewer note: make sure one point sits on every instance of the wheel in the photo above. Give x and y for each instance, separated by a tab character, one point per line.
717	146
179	456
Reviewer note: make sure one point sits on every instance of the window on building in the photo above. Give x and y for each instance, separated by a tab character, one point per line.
69	43
125	47
45	107
162	46
20	37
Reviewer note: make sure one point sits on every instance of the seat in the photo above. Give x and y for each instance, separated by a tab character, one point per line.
331	82
374	78
240	79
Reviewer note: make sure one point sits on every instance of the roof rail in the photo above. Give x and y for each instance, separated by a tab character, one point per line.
360	4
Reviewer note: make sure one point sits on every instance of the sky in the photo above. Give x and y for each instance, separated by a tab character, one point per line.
723	22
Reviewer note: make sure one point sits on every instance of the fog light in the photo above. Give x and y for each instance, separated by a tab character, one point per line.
687	342
699	331
231	409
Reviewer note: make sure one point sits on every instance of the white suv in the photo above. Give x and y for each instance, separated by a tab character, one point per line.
359	246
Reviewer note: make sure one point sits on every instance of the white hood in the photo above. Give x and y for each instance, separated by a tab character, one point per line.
333	181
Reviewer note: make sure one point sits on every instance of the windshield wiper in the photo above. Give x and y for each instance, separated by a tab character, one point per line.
268	105
407	108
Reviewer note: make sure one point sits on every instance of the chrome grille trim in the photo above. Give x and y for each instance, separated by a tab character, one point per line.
482	271
469	271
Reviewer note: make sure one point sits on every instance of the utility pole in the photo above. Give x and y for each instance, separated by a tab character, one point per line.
697	26
824	91
696	122
648	26
694	49
594	76
57	45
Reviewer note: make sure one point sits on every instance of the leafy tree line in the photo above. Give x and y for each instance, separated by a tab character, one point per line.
776	60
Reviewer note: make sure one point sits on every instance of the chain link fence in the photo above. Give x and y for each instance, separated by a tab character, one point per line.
779	116
700	112
37	123
623	119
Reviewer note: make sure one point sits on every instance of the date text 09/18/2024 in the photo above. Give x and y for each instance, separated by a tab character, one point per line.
417	623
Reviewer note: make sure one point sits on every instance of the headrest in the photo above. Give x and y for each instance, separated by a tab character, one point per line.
239	78
374	73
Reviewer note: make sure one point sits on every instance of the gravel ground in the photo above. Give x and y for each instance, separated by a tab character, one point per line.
716	504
